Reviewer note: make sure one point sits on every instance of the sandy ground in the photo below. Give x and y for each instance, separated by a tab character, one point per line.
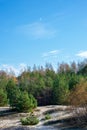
13	119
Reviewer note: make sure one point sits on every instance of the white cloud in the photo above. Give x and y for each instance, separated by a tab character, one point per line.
14	70
54	52
51	57
9	69
51	53
22	67
82	54
37	30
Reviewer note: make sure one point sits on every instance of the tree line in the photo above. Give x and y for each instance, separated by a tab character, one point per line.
44	86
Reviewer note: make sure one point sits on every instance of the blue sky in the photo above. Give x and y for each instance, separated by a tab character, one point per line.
40	31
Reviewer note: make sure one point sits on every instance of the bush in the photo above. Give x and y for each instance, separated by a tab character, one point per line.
33	101
20	100
25	102
31	120
47	117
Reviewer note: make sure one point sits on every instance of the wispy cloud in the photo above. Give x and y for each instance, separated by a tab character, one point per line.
82	54
37	30
51	53
51	57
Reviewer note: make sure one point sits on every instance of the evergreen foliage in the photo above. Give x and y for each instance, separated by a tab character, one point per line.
26	102
42	86
13	93
3	98
31	120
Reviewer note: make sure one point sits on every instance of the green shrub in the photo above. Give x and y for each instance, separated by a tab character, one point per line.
47	117
26	102
31	120
33	101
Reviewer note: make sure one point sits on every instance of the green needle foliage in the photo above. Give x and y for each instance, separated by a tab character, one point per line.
3	98
47	117
25	102
43	86
31	120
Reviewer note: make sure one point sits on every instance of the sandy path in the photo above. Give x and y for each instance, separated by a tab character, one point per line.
14	119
